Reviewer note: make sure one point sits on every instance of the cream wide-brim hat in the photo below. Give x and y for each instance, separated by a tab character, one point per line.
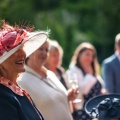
31	44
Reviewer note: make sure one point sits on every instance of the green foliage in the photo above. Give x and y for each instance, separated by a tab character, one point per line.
71	21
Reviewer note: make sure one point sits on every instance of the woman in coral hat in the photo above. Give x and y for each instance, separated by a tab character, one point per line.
15	45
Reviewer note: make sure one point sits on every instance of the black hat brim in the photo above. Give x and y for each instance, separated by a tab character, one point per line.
92	103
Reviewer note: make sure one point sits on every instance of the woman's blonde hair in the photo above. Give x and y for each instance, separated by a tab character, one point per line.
81	48
55	46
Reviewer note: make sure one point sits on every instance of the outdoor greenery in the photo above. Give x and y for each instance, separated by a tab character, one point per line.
70	21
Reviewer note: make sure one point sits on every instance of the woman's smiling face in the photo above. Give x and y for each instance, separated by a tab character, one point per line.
39	57
15	63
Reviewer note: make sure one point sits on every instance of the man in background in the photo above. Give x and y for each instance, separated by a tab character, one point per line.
111	69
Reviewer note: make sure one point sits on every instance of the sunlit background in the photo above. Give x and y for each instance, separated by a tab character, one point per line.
70	21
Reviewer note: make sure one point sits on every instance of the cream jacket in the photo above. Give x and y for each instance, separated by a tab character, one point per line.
49	94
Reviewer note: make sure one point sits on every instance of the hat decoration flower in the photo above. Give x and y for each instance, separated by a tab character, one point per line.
10	37
104	106
13	38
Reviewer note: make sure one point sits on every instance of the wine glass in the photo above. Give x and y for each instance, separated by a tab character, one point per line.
72	78
73	83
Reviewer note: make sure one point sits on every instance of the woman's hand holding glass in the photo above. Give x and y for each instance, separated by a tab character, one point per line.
75	91
74	88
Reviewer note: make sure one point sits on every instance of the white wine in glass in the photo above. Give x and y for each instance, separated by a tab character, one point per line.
73	80
73	83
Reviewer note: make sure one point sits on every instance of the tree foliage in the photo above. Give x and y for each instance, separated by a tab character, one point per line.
71	21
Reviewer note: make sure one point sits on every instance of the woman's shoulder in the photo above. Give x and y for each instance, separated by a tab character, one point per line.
60	68
50	74
6	93
74	68
4	90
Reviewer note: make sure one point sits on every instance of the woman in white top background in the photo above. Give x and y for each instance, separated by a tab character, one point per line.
84	63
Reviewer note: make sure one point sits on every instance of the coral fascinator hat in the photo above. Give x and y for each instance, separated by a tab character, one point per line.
13	38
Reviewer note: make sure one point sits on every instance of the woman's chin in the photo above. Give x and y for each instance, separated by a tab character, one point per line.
22	70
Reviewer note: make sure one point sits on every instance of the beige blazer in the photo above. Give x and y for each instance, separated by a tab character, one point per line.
49	94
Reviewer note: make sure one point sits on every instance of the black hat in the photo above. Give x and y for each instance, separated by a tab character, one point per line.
104	106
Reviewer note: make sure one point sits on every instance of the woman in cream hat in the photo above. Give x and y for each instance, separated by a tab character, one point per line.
48	93
15	45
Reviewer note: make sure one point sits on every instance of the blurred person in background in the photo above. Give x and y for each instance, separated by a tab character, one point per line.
15	45
84	63
48	93
111	69
54	61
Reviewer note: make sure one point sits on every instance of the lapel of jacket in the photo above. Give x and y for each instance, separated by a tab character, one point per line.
47	80
116	62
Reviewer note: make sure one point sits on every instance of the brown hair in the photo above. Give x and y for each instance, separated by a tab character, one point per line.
81	48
